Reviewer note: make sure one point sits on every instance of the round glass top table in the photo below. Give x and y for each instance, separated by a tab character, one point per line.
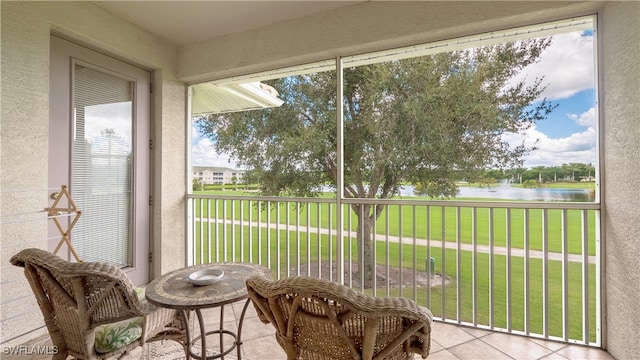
175	290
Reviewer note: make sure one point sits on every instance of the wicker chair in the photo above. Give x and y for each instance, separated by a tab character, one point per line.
78	300
318	319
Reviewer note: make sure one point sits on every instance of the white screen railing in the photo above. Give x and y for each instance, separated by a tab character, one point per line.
529	268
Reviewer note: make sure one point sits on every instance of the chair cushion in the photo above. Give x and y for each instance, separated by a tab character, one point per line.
110	337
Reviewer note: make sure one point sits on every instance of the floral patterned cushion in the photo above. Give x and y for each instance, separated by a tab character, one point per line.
110	337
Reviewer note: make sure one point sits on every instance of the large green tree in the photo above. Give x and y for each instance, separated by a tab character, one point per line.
428	120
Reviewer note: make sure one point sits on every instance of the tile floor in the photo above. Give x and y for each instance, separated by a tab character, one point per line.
447	342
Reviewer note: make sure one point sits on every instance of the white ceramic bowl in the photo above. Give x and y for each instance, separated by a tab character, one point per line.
206	276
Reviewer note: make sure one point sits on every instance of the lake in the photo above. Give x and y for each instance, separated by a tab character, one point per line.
517	193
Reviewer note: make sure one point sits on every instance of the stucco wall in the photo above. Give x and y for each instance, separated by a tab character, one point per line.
620	65
26	28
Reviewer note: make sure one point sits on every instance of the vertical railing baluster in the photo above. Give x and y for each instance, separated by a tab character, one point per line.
599	288
330	242
319	242
233	230
474	264
428	259
250	229
545	273
194	228
241	220
209	231
527	279
585	276
375	252
215	234
201	228
363	240
297	225
278	258
350	242
415	254
565	276
287	237
224	230
508	273
259	227
458	265
268	209
400	236
491	269
309	238
444	262
386	243
232	239
197	248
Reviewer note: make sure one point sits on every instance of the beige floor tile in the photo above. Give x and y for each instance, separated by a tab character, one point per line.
435	346
448	342
518	347
477	333
265	348
441	355
583	352
477	350
551	345
554	356
238	306
213	315
449	335
24	357
253	328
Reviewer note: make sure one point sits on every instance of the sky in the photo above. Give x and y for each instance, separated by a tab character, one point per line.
567	135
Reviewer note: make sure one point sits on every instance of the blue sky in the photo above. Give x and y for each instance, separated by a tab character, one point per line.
568	135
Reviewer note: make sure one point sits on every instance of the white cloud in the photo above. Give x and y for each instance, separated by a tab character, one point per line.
203	153
563	65
587	118
576	148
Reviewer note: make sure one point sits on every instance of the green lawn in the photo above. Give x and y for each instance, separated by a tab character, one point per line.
427	222
268	248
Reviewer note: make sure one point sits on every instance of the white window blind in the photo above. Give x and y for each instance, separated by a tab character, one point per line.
102	165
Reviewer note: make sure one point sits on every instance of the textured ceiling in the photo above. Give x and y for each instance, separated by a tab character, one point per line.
187	22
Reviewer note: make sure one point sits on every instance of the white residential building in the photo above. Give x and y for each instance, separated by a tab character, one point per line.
217	175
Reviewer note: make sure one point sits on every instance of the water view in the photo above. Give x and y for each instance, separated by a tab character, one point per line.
517	193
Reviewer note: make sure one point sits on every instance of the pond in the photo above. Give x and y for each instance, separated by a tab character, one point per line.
517	193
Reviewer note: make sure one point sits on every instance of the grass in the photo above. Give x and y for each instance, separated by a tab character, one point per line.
432	222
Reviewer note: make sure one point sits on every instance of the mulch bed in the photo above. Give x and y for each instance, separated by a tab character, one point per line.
353	277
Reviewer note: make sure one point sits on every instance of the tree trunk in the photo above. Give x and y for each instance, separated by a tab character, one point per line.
366	242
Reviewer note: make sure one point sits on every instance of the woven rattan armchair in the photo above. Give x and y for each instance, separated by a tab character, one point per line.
78	300
319	319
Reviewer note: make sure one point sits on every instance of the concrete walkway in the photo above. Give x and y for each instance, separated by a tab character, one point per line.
496	250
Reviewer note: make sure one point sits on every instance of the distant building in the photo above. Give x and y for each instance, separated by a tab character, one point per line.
217	175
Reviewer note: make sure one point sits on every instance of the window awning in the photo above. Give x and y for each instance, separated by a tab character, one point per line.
208	98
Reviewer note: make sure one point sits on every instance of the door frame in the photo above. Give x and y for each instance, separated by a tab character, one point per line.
64	53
